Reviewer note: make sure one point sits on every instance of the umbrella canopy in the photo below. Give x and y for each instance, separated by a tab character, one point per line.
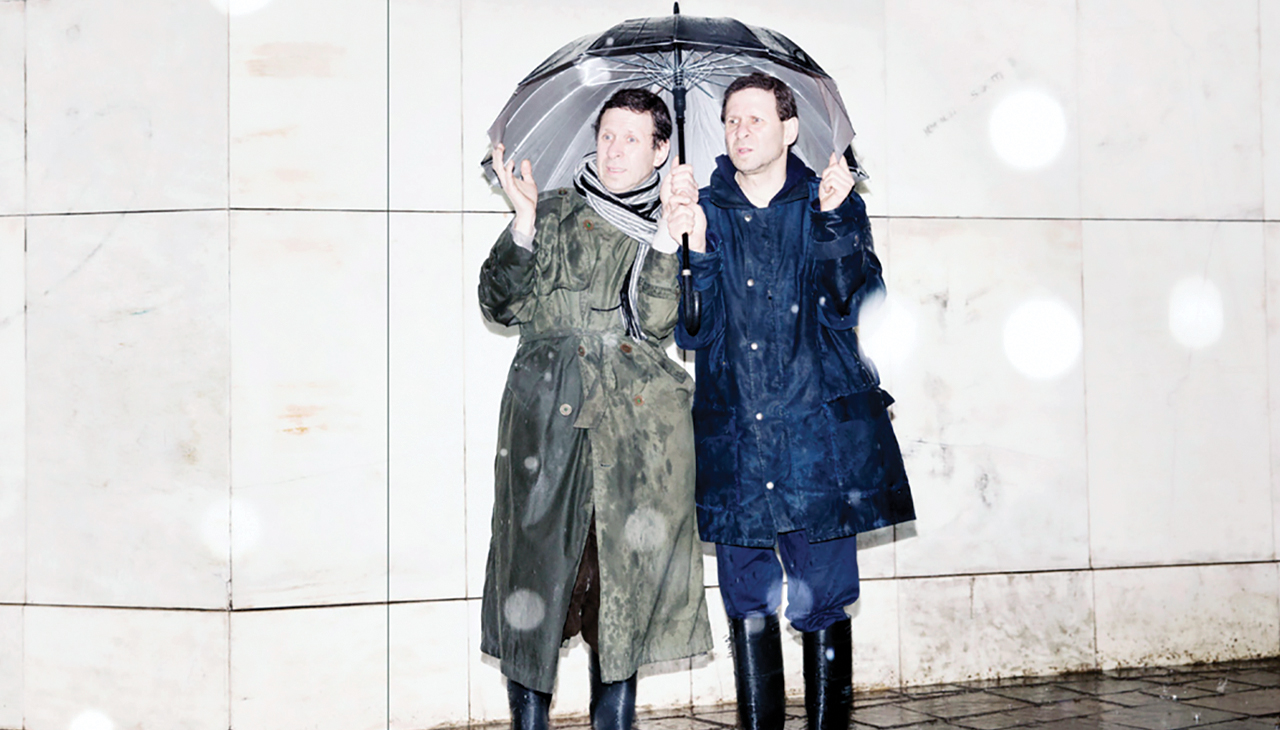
548	118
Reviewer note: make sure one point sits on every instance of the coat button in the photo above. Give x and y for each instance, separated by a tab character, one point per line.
754	346
565	409
625	348
768	485
751	282
747	217
582	350
759	416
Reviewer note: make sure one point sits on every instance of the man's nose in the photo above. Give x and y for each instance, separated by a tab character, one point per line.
614	150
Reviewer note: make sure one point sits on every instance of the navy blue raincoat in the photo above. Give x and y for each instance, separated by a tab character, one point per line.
790	423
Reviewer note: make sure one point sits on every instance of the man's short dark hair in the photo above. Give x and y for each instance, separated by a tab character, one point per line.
786	101
641	101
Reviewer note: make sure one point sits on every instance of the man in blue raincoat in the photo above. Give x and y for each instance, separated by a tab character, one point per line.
794	446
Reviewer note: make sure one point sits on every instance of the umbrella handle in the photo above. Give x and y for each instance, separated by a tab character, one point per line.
690	299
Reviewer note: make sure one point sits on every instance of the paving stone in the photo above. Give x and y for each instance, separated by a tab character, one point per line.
1039	693
885	716
1129	699
1254	703
963	705
1099	685
1166	716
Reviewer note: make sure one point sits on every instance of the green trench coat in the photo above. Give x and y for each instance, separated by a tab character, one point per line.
591	421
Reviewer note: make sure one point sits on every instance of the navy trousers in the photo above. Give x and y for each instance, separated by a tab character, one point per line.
822	578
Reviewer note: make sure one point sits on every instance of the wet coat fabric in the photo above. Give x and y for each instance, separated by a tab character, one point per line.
791	424
591	421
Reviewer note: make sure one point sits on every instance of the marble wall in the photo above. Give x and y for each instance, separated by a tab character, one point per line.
248	402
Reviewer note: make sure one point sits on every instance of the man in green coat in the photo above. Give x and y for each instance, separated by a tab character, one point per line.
593	525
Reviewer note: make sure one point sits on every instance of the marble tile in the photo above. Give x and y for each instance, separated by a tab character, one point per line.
321	668
1169	109
309	398
13	111
127	415
982	108
1270	50
1180	615
712	675
1177	433
665	686
102	668
487	352
428	490
487	688
430	646
425	103
990	397
984	626
308	110
119	123
841	36
1272	234
13	410
876	644
11	669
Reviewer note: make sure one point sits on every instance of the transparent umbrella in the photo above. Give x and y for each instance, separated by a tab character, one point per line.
688	61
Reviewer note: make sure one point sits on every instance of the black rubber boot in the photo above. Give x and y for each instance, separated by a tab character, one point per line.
529	708
828	676
613	704
757	667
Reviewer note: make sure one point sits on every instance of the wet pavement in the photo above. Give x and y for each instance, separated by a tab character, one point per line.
1232	696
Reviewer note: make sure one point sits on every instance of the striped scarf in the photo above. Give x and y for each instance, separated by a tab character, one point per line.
635	213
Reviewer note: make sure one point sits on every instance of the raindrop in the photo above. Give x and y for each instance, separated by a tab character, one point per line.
546	377
503	453
831	655
1042	339
237	538
822	300
646	530
594	72
887	330
92	720
524	610
1028	129
1222	686
531	463
799	598
795	309
1195	312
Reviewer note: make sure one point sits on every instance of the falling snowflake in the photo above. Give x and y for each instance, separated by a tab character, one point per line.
524	610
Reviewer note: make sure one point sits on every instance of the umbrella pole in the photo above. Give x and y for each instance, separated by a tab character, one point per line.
691	300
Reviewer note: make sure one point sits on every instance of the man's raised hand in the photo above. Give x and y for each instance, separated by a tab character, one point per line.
679	195
836	183
521	191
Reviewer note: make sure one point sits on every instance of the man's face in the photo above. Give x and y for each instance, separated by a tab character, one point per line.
754	137
625	154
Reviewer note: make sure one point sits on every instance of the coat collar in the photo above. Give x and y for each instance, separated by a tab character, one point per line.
725	192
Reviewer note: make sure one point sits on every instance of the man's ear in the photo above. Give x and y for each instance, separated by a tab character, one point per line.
791	130
660	158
